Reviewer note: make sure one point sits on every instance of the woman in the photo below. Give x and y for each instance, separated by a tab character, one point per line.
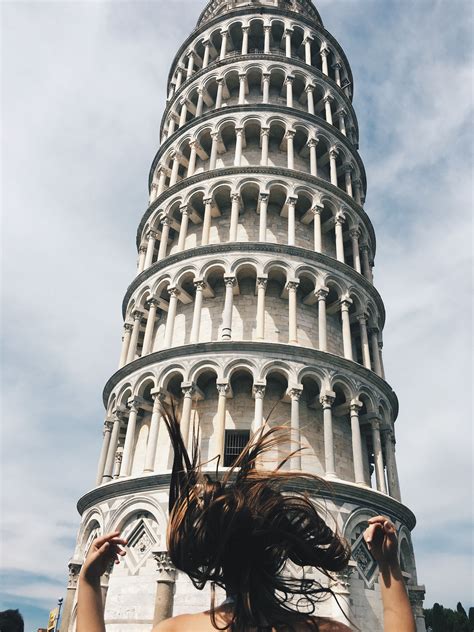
238	533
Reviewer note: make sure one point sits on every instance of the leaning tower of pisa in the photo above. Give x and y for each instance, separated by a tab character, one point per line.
253	293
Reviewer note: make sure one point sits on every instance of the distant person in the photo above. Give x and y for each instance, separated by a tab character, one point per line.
238	533
11	621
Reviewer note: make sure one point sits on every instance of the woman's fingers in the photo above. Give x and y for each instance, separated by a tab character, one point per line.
105	538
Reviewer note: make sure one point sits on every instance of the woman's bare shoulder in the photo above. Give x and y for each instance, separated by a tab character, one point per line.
184	623
329	625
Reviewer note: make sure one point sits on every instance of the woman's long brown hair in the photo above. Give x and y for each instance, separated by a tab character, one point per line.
240	531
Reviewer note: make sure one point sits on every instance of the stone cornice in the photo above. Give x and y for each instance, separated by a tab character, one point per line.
247	348
252	247
257	170
261	107
222	63
309	3
263	11
333	490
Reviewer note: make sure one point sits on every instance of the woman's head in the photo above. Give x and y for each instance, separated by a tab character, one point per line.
240	530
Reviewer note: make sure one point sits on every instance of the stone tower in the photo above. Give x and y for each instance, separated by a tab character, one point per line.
254	293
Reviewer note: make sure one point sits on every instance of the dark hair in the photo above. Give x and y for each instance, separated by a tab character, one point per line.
11	621
240	530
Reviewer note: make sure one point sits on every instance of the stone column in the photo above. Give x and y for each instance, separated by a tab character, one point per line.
327	400
230	283
295	394
213	158
289	91
239	132
220	89
292	318
183	229
327	108
165	231
289	148
164	587
110	460
223	45
288	42
108	424
392	473
261	288
342	122
313	161
127	332
358	191
318	240
310	96
192	157
117	462
174	292
321	295
183	113
307	50
222	388
150	455
338	223
324	52
175	169
264	135
242	78
259	394
132	349
206	224
150	327
161	183
378	456
364	340
333	153
266	39
190	68
74	570
179	78
171	125
382	369
205	59
265	87
348	179
357	443
337	72
245	40
196	325
355	234
374	339
150	249
129	439
234	216
141	259
291	220
262	232
346	328
367	270
187	390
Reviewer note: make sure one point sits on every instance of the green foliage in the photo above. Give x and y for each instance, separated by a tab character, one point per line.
441	619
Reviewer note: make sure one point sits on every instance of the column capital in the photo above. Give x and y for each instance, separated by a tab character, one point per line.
290	133
152	234
340	218
341	112
362	318
222	388
308	38
289	78
174	291
380	344
322	293
346	303
259	390
292	200
262	282
264	197
230	281
245	28
158	394
188	389
288	30
317	209
220	80
242	76
328	98
295	392
74	568
183	209
375	423
312	142
235	197
337	64
128	327
355	232
142	249
266	76
373	330
309	87
199	284
239	130
108	423
165	220
265	131
215	136
224	31
208	200
327	399
137	314
355	406
333	152
347	167
292	285
267	27
364	247
133	404
324	50
164	566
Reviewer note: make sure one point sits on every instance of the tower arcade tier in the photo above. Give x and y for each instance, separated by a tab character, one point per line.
254	292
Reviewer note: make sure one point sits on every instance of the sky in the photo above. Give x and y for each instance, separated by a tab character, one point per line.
82	92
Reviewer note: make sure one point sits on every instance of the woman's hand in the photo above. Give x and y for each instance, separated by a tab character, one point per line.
381	539
103	552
